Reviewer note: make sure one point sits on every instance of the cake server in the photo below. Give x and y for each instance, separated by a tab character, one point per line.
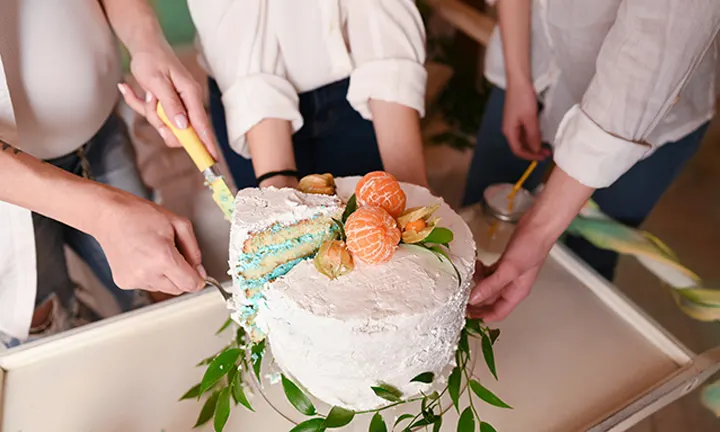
204	162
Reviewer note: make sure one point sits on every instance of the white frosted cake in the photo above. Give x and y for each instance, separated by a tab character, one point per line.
377	324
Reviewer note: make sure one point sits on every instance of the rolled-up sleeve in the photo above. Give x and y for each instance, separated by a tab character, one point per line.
241	50
387	44
646	59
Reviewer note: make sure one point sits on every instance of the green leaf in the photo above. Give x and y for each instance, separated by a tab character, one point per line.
238	392
402	418
494	333
425	377
193	393
297	398
487	350
454	386
439	235
467	421
240	336
206	361
420	423
219	367
440	252
312	425
474	327
437	425
426	412
463	344
486	427
258	350
350	208
224	326
339	417
377	424
387	392
487	395
222	410
341	229
207	410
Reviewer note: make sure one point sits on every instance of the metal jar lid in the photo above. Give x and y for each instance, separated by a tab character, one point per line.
497	205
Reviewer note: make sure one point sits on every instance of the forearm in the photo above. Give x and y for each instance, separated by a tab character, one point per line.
271	148
515	28
40	187
135	23
397	128
557	205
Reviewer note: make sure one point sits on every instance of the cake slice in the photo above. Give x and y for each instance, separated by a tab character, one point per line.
272	231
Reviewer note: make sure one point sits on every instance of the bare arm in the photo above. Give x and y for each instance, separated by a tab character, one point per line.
397	128
40	187
520	114
514	18
271	147
159	72
147	247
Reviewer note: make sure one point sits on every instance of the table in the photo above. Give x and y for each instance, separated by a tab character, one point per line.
576	355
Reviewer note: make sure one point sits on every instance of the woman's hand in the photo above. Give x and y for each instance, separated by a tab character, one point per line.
520	121
164	78
148	247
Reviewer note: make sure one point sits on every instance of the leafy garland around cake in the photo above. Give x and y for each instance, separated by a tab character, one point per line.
374	222
227	372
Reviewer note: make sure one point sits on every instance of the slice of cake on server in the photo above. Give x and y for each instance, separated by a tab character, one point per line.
376	306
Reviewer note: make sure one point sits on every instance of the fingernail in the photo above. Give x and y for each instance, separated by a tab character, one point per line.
163	133
181	121
202	271
148	97
122	89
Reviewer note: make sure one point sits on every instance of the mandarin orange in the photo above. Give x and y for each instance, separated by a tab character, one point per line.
381	189
372	235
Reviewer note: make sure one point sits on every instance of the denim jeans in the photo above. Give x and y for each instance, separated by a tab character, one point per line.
111	160
334	138
629	200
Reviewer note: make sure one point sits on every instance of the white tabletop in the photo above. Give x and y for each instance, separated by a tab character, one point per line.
566	359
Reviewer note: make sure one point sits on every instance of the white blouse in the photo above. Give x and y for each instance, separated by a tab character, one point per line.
263	53
617	73
59	66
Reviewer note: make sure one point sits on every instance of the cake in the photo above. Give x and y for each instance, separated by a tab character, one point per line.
380	323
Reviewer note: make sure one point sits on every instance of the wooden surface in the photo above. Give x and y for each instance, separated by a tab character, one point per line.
563	358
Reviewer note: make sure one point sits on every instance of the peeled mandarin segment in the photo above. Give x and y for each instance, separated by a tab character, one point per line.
381	189
372	235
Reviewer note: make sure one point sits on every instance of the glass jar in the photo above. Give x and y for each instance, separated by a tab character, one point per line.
493	221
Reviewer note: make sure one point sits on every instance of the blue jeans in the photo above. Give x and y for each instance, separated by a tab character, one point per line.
629	200
111	158
334	138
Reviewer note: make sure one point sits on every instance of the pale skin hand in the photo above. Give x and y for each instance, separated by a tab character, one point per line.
159	72
147	246
520	115
509	281
398	133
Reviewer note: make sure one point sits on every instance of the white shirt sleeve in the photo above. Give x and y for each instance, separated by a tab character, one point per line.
241	51
646	59
387	44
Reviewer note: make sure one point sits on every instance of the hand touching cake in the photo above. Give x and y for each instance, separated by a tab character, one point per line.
362	282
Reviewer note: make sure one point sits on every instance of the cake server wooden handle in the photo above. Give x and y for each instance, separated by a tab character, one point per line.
204	162
190	141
